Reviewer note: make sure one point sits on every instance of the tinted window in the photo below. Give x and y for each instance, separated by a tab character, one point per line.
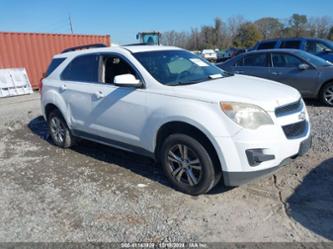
315	47
285	60
54	64
290	44
83	68
115	66
254	60
267	45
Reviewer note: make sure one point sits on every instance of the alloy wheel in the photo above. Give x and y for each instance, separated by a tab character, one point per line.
184	164
328	95
57	129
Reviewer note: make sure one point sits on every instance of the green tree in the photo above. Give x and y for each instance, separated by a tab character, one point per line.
247	35
269	27
298	24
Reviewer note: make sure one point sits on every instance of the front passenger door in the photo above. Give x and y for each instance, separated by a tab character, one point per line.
285	69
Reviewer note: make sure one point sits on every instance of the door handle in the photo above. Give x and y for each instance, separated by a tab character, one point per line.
276	73
239	72
99	95
63	88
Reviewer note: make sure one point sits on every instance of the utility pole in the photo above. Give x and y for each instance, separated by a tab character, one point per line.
70	23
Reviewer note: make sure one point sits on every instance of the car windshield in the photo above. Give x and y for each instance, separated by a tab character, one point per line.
315	60
178	67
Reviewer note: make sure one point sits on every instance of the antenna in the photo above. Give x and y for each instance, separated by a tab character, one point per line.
70	23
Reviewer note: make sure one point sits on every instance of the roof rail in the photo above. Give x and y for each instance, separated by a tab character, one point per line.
97	45
138	44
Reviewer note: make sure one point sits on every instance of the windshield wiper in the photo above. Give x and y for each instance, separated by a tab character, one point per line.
179	83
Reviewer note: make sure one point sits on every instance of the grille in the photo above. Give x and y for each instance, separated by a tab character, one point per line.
289	109
295	130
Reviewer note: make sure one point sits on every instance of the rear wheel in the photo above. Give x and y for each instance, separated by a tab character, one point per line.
326	94
59	131
187	164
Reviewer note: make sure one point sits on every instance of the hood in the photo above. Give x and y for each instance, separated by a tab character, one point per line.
247	89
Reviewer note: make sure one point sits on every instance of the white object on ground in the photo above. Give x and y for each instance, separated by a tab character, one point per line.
13	82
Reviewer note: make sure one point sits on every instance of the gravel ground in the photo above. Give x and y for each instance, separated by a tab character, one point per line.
95	193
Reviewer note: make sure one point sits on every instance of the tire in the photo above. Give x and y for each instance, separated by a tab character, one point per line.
58	130
326	94
188	165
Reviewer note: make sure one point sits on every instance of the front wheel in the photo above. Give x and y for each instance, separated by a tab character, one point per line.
326	94
187	164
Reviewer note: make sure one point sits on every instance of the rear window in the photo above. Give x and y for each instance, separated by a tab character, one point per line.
54	64
290	44
267	45
83	68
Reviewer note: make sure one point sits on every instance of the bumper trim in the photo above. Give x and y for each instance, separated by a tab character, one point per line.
240	178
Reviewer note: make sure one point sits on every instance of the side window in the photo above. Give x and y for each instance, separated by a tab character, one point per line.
54	64
291	44
83	68
285	60
266	45
114	66
255	60
315	47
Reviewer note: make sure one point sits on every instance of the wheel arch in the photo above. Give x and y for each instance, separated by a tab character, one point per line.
323	85
173	127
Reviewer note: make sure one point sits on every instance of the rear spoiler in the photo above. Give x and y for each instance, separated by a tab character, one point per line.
97	45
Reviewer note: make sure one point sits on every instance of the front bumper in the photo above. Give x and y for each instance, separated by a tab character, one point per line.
239	178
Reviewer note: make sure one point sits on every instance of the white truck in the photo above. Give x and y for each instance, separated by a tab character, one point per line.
200	122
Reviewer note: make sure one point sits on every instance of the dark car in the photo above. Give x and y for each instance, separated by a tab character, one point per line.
311	75
320	47
232	52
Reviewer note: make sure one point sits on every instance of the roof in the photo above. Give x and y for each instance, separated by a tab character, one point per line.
130	48
286	50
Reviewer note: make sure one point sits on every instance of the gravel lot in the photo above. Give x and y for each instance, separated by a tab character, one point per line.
96	193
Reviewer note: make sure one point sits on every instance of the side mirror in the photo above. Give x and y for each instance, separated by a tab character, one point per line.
126	80
327	50
303	66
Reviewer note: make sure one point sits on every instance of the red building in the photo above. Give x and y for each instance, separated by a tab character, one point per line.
34	51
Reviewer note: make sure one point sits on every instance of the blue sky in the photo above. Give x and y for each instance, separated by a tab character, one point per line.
124	18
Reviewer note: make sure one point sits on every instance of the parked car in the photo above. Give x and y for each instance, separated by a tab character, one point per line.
319	47
209	54
232	52
309	74
198	121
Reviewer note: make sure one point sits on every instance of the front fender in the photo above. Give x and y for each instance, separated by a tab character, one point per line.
207	117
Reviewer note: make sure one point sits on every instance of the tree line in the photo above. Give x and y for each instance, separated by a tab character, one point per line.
238	32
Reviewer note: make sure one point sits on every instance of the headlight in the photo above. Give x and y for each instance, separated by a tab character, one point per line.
246	115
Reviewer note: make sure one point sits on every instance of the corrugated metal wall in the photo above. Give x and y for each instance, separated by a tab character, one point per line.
34	51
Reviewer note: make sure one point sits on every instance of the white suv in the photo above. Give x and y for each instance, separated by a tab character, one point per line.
198	121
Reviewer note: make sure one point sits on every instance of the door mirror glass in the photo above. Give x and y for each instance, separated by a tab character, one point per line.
303	66
126	80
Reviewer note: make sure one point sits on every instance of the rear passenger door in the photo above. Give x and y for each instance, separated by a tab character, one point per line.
78	88
285	69
253	64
